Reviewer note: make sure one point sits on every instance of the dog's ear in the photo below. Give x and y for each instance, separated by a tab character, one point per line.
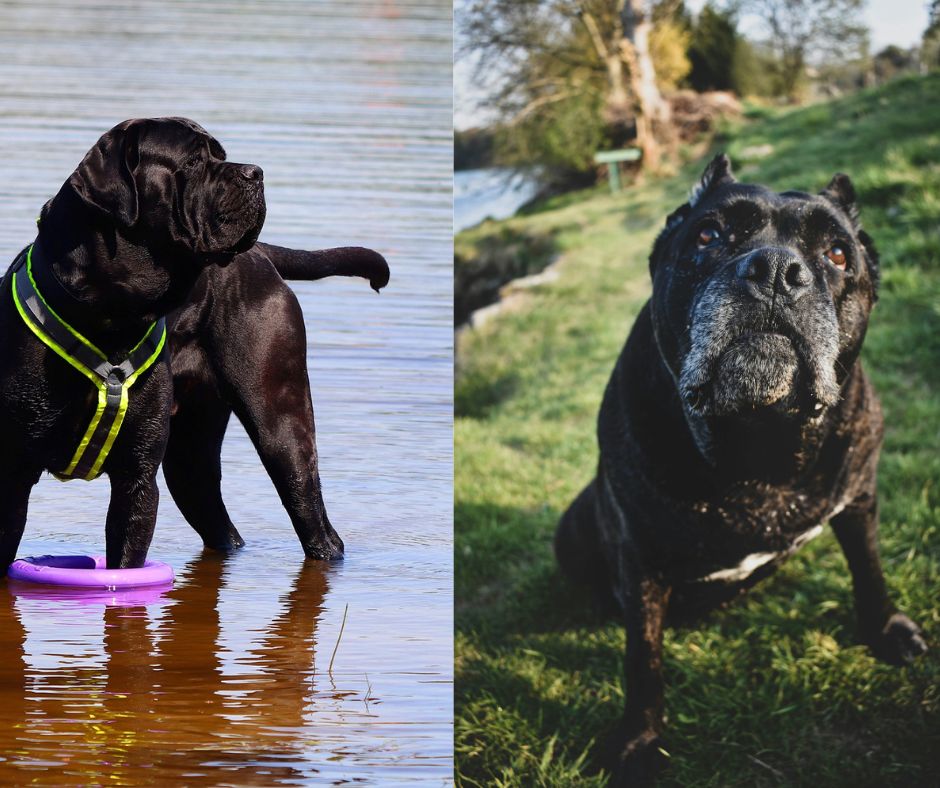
44	211
674	219
716	173
874	263
841	193
105	178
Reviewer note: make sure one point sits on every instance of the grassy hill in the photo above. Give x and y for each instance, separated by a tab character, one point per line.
775	690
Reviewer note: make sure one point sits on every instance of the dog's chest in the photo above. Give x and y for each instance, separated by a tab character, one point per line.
748	565
744	542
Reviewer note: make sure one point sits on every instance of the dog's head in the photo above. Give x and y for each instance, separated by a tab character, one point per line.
166	183
761	300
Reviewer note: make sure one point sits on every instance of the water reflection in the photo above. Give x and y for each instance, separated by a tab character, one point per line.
158	698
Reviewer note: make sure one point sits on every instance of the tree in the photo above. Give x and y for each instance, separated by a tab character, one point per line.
722	59
669	44
891	61
930	48
473	148
805	32
712	50
631	46
572	53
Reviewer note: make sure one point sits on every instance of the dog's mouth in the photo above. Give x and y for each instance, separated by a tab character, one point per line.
749	356
242	223
251	234
755	370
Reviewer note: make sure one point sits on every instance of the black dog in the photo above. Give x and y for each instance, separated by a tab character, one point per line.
133	230
239	345
120	246
737	421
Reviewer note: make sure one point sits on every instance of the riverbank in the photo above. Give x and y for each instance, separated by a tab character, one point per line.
775	690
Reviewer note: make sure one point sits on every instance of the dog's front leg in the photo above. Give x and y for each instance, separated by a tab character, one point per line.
15	487
132	517
892	636
640	757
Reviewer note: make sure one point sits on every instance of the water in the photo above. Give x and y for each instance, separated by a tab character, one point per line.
491	193
224	680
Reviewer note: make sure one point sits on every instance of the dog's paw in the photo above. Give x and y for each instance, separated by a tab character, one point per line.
637	762
328	547
899	642
226	542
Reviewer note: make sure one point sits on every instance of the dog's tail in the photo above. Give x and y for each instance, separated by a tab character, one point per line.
339	261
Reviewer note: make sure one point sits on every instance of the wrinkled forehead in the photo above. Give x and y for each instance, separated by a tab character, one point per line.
176	137
752	207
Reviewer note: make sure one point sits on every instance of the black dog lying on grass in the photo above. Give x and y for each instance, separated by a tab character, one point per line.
737	421
153	223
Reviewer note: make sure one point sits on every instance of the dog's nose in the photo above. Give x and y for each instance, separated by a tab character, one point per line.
774	270
251	172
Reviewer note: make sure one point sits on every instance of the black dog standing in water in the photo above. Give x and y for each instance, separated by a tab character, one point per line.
154	222
737	421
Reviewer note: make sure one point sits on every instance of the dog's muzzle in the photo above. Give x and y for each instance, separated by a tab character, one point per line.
763	334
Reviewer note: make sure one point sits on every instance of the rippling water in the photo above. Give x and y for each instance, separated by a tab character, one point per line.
224	679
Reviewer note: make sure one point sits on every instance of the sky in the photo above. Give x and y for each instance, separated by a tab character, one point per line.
899	22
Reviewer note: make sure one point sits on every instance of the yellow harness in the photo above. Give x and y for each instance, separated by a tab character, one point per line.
112	380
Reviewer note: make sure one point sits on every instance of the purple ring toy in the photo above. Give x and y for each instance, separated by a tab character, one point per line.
87	571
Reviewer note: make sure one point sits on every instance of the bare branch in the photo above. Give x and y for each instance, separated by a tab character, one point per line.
597	39
542	101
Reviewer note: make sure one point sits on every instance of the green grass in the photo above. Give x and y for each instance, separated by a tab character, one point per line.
775	690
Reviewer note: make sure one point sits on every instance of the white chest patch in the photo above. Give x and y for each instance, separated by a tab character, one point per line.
749	564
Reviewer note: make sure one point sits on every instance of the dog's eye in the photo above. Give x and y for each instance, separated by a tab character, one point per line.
836	255
707	236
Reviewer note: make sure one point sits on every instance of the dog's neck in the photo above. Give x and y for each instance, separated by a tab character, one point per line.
696	456
762	446
100	282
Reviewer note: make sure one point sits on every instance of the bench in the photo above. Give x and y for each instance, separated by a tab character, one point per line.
612	158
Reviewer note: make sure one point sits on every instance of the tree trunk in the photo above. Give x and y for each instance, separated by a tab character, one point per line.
618	108
654	129
793	66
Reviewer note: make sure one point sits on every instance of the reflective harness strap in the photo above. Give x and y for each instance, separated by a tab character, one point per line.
112	381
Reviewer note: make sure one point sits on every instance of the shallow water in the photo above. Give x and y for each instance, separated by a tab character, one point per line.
490	193
225	679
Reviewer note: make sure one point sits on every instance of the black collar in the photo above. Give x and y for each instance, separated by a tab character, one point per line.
53	291
82	316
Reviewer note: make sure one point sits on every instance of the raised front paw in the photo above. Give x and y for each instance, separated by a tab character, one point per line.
899	642
639	761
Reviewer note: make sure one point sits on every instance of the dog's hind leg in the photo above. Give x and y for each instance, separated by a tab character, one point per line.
268	388
286	442
579	551
193	471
